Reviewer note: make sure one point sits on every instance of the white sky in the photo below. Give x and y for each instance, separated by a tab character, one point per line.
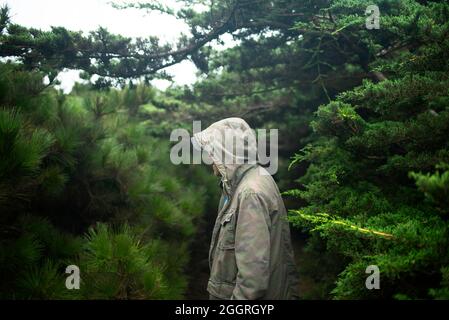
88	15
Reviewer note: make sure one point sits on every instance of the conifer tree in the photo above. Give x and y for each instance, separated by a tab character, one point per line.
376	185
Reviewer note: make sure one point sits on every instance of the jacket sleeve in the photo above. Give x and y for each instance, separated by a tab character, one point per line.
252	248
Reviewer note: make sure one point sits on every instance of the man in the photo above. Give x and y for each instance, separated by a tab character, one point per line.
251	255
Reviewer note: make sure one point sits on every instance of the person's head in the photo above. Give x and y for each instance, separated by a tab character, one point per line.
229	144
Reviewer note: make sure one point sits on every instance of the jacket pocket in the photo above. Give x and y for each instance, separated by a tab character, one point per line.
220	290
224	267
227	231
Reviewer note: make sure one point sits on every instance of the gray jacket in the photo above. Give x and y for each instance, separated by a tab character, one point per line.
251	255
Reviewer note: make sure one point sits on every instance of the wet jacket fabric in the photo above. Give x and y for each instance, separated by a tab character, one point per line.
250	255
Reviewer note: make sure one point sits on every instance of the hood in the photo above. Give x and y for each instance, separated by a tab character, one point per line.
231	144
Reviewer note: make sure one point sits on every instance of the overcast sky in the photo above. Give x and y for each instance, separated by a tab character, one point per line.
88	15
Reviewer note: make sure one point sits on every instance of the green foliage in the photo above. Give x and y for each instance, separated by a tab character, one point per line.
435	187
368	110
71	161
32	258
377	182
116	265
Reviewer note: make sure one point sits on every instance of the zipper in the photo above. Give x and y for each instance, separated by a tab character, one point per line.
225	207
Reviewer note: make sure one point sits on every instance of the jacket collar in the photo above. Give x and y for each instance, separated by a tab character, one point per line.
238	175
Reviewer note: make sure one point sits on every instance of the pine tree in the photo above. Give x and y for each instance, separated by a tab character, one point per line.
376	185
90	163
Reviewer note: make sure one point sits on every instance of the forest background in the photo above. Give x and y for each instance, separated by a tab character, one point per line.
363	119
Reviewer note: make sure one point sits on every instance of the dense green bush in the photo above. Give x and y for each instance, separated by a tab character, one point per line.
377	182
71	161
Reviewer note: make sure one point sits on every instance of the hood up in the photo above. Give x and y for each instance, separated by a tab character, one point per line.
231	144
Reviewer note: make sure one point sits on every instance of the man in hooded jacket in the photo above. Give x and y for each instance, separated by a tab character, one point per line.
250	255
